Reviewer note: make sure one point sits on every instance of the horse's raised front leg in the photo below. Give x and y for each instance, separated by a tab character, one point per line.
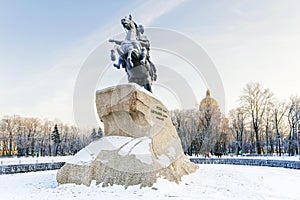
129	61
120	61
113	55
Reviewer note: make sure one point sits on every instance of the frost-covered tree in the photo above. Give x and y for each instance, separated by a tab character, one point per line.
24	136
100	132
238	125
294	123
198	130
96	134
8	128
56	138
279	110
187	125
256	100
269	128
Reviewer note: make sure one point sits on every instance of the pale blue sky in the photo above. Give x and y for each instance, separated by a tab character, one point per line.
44	43
33	32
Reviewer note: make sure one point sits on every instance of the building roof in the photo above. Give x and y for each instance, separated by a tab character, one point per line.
208	100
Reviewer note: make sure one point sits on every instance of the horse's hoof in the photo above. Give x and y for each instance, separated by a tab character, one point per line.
113	58
113	55
116	66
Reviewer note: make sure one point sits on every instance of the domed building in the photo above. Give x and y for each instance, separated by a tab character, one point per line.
208	101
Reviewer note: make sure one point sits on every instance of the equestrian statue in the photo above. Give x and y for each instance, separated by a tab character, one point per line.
134	55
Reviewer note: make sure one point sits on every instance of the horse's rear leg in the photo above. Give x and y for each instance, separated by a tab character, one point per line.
143	56
148	87
129	62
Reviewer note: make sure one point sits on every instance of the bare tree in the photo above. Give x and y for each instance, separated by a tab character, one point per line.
267	120
238	123
225	138
279	111
294	119
256	100
32	136
187	127
8	126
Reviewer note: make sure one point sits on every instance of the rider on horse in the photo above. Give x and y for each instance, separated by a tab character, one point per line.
134	53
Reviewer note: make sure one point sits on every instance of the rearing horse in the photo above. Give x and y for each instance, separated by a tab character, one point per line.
132	55
131	44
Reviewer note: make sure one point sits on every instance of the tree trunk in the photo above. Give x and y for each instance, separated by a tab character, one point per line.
10	144
278	138
290	142
267	137
258	147
242	145
49	147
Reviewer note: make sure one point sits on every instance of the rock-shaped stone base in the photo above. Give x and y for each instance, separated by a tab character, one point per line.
140	144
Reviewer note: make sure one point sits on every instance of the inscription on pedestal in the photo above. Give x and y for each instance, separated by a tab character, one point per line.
159	113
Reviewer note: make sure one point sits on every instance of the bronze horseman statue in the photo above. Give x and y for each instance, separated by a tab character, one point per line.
134	55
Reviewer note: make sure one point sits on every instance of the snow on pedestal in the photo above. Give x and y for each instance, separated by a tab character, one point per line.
140	144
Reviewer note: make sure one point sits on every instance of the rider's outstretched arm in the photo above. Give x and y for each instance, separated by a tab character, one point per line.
115	41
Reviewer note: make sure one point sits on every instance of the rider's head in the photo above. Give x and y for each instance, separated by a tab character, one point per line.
141	29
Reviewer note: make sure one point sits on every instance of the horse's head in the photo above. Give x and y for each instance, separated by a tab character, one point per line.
128	23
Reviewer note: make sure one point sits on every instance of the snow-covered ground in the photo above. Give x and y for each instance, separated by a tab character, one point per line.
209	182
